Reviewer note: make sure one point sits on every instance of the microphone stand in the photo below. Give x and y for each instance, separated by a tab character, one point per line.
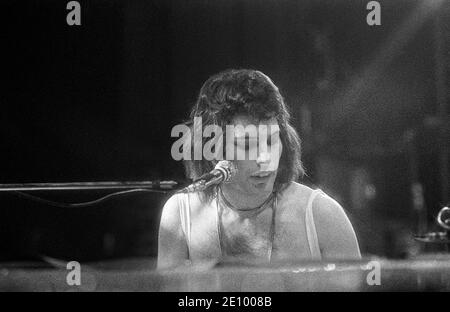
120	187
25	187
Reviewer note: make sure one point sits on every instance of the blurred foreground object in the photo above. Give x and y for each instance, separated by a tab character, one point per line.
425	274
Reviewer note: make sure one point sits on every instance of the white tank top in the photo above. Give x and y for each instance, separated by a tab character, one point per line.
311	232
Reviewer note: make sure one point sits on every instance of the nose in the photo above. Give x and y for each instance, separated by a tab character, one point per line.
268	159
263	158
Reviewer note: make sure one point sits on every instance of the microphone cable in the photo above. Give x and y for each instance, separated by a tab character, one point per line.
87	203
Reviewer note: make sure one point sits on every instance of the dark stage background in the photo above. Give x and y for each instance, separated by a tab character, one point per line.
97	102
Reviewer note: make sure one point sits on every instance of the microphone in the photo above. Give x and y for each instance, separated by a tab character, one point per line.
224	171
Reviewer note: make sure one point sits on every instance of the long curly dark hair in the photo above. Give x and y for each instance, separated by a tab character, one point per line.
248	92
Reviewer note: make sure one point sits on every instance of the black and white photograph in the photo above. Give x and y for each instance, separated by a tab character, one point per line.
225	151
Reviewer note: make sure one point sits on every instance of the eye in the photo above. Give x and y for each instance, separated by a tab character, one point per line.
247	145
243	143
273	139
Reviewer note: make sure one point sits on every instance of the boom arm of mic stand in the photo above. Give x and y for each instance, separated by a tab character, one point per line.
25	187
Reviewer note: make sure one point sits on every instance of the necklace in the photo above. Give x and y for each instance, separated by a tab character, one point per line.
273	198
254	210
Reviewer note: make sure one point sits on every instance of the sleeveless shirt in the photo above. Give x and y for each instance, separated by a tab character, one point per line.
311	233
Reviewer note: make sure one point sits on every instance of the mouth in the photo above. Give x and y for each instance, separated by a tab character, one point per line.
262	175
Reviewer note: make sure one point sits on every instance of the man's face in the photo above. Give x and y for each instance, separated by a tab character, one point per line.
256	172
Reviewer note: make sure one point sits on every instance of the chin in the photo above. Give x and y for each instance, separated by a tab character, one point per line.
263	189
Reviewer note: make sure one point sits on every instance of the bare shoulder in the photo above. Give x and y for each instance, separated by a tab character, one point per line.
298	188
329	213
171	209
324	205
293	201
172	247
337	238
170	216
296	191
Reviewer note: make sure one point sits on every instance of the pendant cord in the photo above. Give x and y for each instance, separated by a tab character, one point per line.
233	207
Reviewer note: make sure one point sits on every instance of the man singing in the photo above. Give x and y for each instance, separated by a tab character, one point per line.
262	215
